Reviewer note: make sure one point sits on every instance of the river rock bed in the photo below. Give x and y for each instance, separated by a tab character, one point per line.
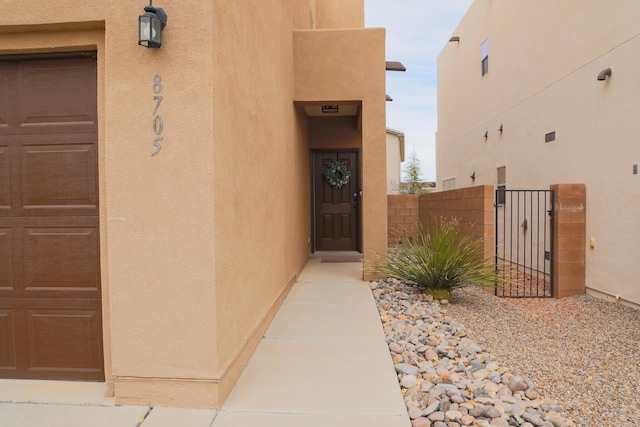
448	380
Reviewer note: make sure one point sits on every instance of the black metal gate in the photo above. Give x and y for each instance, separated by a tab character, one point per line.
524	243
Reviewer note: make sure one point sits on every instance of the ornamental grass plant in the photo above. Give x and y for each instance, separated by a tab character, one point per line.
440	259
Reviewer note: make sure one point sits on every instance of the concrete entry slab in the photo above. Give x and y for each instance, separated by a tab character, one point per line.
316	376
174	417
55	392
43	415
308	420
317	271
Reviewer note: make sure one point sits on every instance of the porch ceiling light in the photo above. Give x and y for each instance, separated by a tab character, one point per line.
150	26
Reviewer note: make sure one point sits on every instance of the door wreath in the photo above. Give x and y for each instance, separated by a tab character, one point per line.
337	174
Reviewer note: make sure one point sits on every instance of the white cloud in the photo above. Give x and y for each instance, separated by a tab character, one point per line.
417	30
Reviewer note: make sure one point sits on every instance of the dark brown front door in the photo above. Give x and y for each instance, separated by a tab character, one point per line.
335	209
50	297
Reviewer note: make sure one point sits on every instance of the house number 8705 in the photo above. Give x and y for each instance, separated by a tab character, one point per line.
157	124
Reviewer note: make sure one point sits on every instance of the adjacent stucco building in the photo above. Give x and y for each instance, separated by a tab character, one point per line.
535	93
395	157
156	205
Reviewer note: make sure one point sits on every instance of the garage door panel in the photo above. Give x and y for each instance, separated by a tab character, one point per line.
7	338
59	176
5	88
61	259
57	338
54	92
5	178
6	259
50	296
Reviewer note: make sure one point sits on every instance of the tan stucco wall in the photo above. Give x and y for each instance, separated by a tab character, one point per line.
200	243
353	68
261	168
543	62
157	271
338	14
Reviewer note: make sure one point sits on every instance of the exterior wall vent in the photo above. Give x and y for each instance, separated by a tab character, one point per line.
551	136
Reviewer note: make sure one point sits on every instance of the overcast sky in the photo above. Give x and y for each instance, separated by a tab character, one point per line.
417	30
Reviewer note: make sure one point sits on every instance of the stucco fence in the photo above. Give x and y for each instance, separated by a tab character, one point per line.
474	207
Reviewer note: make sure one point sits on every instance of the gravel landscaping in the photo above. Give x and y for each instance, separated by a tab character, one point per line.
486	361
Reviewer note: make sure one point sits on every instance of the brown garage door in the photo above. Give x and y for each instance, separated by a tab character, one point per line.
50	298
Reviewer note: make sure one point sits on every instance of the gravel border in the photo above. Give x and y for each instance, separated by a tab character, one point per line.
581	351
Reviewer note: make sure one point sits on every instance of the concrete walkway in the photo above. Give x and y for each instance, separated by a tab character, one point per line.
322	362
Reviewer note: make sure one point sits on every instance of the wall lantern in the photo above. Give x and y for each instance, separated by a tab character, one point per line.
150	26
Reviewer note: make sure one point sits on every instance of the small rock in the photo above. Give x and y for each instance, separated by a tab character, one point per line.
421	422
414	412
431	355
499	422
409	381
492	412
533	419
531	394
467	420
437	416
517	384
477	411
453	415
405	368
431	408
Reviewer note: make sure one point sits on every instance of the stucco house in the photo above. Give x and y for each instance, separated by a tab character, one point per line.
395	157
157	204
532	94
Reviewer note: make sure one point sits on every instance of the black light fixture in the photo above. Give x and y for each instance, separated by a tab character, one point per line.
330	109
150	26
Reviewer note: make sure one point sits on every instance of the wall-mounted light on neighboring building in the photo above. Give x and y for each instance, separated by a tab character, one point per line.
604	74
454	39
473	175
500	128
486	134
150	26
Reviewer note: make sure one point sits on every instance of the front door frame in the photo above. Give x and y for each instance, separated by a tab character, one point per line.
357	175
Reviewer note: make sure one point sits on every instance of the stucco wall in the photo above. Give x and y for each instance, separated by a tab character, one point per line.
543	63
338	14
261	168
200	243
353	68
157	269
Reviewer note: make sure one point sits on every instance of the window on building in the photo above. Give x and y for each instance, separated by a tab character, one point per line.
502	185
449	184
484	56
